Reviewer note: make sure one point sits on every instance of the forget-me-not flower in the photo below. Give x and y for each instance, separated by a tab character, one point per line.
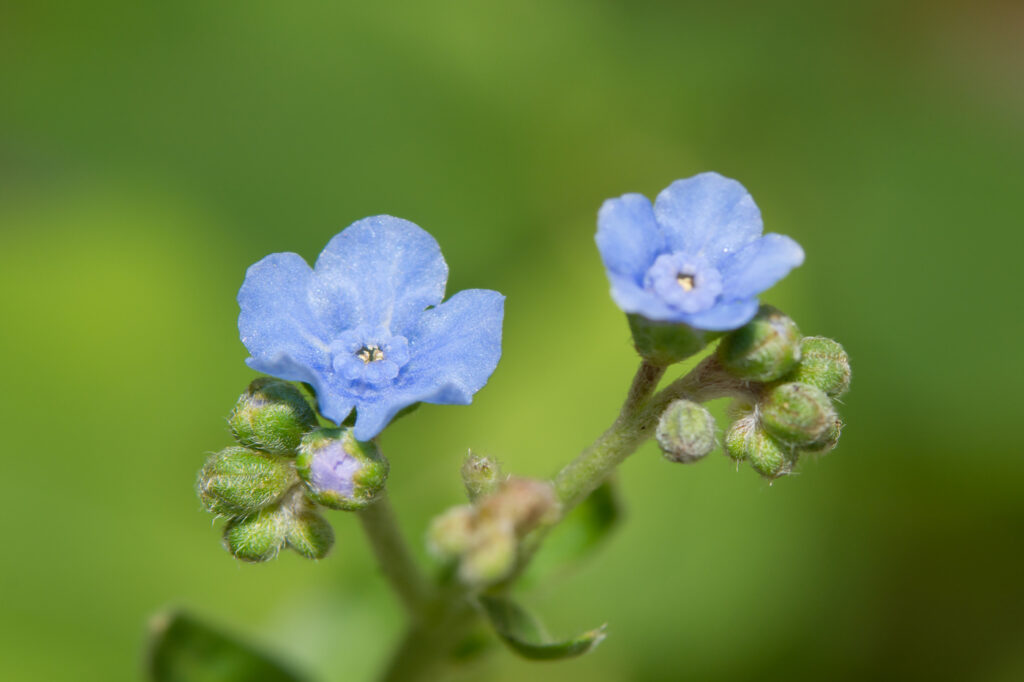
697	256
366	326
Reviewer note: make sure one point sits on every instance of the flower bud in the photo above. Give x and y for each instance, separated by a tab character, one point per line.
481	475
258	537
492	555
238	482
341	472
522	503
828	442
737	438
823	363
686	432
310	535
271	416
451	533
764	349
797	414
666	343
746	440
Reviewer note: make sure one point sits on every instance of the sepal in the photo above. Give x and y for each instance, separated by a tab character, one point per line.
666	343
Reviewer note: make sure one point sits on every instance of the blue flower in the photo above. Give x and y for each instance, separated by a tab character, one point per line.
366	326
696	256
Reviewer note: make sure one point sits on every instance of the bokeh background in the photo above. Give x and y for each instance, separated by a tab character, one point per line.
149	152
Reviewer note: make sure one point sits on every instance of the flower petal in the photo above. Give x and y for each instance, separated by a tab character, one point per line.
628	236
725	316
454	351
277	322
707	215
380	271
632	298
759	265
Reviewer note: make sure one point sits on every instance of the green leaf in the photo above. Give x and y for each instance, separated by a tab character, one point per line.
182	649
526	636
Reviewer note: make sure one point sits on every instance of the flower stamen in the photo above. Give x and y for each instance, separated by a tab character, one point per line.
370	354
687	282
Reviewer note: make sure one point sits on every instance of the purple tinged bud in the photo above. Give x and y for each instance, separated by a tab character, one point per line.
341	472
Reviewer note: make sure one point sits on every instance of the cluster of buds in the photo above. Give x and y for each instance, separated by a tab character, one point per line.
284	466
792	382
483	538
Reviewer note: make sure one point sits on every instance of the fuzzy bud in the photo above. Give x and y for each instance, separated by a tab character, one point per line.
828	442
238	482
492	555
765	349
341	472
686	432
310	535
272	416
481	475
523	503
259	537
451	533
746	440
797	414
824	364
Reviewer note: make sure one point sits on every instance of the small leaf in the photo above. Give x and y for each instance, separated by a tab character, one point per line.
182	649
526	636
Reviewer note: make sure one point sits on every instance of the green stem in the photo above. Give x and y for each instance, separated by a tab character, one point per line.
580	477
394	557
445	617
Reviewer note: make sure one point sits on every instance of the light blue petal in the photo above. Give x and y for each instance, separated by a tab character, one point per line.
380	271
334	404
759	265
708	215
454	351
724	316
628	236
277	322
632	298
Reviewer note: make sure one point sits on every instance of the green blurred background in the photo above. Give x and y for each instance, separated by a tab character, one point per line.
149	152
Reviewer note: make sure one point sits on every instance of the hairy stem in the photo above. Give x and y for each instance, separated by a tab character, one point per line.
394	557
580	477
444	617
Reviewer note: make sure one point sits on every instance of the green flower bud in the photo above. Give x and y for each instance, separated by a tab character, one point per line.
492	556
828	442
271	416
686	432
451	533
310	535
763	350
666	343
341	472
824	364
797	414
258	537
769	457
737	439
746	440
481	475
522	503
238	482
